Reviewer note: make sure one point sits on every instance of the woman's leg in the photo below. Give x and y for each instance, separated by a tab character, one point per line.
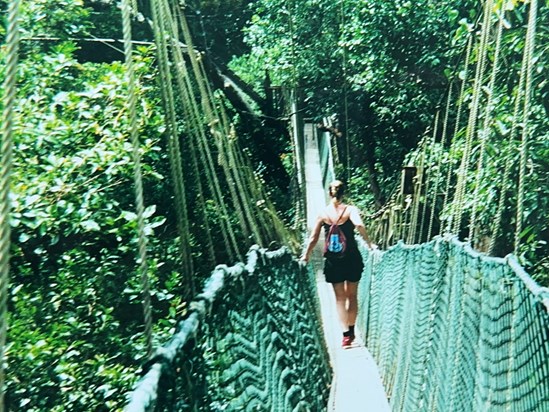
351	289
341	304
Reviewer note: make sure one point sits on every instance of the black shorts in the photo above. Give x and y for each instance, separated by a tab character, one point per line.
348	268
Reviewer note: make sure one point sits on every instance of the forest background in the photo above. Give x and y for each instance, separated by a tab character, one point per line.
378	69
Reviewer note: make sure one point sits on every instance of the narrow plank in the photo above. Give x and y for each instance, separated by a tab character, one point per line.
357	385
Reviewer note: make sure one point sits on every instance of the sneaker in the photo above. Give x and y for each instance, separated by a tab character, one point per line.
347	341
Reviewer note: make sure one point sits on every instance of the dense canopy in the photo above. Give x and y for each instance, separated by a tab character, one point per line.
379	70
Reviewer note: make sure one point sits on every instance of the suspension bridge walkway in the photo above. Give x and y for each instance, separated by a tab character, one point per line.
356	385
441	327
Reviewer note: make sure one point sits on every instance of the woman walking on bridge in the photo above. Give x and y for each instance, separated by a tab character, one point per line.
343	263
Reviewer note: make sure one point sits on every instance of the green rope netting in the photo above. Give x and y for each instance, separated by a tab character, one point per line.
252	341
455	330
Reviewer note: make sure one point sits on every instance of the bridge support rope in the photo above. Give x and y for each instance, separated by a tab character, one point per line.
252	337
6	150
453	329
138	177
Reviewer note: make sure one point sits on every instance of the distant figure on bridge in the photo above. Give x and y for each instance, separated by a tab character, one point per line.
342	270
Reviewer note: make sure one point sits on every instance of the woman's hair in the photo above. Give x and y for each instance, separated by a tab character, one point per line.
337	189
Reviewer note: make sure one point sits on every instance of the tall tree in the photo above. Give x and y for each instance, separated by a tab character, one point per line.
379	66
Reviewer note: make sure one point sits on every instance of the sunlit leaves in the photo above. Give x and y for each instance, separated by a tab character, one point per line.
73	250
54	18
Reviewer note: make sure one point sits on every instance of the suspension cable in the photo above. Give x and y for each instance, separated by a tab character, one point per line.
6	151
345	94
443	142
505	179
471	125
173	145
528	62
229	142
453	145
485	131
138	176
220	131
417	193
213	122
429	176
196	118
195	128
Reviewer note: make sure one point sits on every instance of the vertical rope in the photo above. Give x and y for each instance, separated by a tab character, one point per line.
496	227
290	8
238	168
213	122
453	146
243	185
197	120
345	95
259	212
528	61
471	125
173	145
396	219
220	131
195	129
229	143
300	200
443	141
417	194
6	151
401	219
138	176
430	175
484	133
293	110
268	223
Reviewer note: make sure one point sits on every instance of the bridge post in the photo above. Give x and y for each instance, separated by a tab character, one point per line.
299	147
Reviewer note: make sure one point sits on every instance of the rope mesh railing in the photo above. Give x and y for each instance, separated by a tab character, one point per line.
252	341
455	330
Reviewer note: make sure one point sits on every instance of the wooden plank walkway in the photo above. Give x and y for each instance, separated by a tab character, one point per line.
357	385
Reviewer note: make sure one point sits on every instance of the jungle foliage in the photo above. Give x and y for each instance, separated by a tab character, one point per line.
76	325
74	303
383	69
380	68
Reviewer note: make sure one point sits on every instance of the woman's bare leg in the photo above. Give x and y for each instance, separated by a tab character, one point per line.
351	289
341	304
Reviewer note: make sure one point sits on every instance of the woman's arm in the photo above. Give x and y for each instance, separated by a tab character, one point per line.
359	225
313	239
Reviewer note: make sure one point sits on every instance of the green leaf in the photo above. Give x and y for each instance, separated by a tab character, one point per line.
90	226
149	211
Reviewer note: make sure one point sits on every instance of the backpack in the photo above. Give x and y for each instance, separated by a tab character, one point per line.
335	244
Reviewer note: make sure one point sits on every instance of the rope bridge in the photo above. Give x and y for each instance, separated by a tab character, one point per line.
252	341
455	330
450	329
